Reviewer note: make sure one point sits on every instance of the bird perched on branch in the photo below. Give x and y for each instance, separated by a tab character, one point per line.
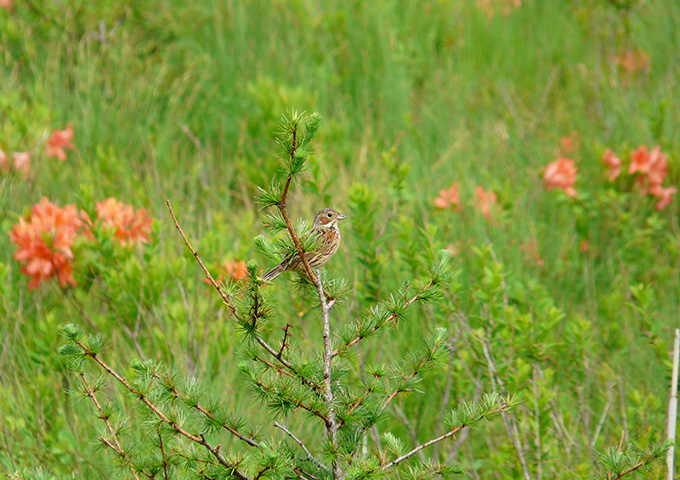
326	227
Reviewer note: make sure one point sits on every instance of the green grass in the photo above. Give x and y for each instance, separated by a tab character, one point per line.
180	102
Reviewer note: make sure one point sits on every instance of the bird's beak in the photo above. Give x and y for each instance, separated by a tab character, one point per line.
341	216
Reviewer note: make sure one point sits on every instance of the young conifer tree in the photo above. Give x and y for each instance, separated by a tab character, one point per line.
186	426
322	419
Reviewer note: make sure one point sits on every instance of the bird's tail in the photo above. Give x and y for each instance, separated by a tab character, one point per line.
273	273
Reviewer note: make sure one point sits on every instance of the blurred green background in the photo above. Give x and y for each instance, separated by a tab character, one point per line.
179	100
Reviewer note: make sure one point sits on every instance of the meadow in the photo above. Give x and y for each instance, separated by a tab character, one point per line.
535	142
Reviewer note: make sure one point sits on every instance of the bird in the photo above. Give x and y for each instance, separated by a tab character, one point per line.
326	227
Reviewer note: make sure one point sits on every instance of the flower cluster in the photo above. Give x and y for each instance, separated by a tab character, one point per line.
651	169
450	198
561	174
21	163
58	141
130	227
45	239
44	242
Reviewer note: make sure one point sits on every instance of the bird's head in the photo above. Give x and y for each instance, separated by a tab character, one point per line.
328	218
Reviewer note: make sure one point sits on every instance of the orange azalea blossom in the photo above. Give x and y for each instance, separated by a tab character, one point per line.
59	140
614	164
665	197
130	227
569	144
645	162
448	197
4	162
236	270
653	168
561	174
22	162
6	4
485	201
44	242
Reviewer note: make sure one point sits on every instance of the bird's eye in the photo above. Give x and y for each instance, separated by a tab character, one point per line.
330	215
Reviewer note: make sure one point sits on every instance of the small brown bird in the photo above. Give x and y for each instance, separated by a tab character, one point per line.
326	226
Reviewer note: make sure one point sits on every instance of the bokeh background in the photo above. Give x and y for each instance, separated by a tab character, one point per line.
180	99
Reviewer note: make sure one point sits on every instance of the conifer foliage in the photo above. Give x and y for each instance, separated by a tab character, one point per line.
190	433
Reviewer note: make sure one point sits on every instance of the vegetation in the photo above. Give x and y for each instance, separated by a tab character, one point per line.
511	220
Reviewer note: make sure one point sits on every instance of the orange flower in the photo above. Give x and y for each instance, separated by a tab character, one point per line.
448	197
44	242
130	227
485	201
6	4
4	162
569	144
653	168
665	194
614	164
59	140
658	167
561	174
233	269
236	270
22	162
639	161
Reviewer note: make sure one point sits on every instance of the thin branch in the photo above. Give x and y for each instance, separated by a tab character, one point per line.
210	278
415	372
178	395
222	294
310	457
510	424
297	403
638	465
115	446
284	341
200	439
392	317
165	462
332	424
448	434
262	472
285	363
359	400
289	226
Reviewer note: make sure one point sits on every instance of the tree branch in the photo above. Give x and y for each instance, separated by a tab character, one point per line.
332	424
448	434
210	278
310	457
200	439
115	446
392	317
197	406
